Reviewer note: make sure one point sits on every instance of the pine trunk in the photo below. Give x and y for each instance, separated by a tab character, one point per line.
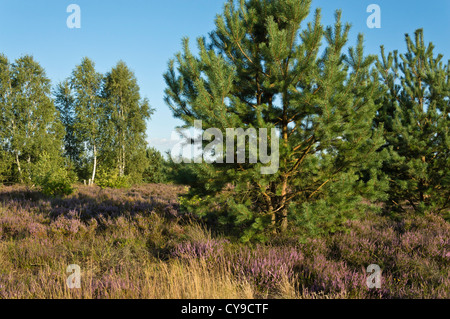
284	187
284	210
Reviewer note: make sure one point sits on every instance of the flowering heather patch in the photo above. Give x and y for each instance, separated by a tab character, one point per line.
94	202
17	222
322	275
413	255
67	225
118	238
265	266
207	249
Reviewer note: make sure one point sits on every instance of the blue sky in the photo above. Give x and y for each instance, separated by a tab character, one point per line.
147	33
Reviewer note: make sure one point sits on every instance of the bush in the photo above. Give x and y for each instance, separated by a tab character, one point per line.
5	166
156	170
52	177
110	178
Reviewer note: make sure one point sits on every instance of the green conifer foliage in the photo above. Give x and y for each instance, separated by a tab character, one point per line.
415	112
263	68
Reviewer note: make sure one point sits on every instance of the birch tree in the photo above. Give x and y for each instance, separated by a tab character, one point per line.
86	83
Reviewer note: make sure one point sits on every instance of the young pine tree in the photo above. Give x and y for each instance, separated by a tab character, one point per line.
157	167
261	69
415	112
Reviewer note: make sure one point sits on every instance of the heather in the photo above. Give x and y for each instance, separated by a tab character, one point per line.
137	243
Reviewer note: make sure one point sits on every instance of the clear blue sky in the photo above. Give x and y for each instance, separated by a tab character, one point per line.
147	33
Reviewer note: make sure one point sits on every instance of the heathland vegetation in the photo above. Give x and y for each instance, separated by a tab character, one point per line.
363	171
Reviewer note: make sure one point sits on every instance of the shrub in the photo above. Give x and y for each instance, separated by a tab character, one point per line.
111	178
52	177
156	171
5	166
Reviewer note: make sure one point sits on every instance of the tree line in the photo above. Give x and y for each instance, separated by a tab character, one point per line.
90	124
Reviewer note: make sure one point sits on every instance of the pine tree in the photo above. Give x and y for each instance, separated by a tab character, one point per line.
86	84
261	70
127	114
415	114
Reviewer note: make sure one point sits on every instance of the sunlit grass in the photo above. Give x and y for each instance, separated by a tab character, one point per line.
136	244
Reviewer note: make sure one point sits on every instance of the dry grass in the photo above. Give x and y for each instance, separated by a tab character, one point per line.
196	280
135	244
154	280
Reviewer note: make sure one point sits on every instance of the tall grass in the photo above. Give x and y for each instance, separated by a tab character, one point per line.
136	244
